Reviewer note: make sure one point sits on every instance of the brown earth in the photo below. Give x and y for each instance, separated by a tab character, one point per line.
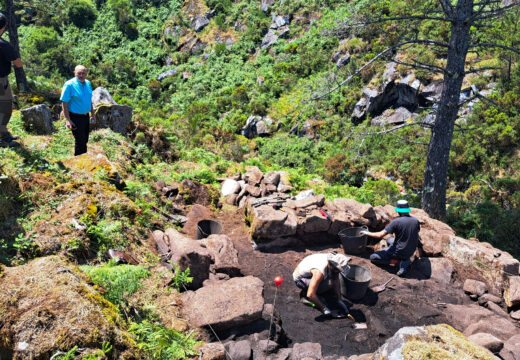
410	301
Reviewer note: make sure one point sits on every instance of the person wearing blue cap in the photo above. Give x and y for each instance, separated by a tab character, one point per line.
402	246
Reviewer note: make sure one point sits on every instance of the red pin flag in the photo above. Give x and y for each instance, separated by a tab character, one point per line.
278	280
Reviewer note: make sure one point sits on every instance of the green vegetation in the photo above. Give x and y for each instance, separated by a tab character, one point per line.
181	278
120	281
162	343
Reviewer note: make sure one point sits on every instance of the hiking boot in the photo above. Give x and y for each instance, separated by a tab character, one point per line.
8	144
8	137
403	267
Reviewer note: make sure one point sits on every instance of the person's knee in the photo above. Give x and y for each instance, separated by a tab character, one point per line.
375	256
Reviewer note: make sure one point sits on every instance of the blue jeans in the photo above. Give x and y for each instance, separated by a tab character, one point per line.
384	257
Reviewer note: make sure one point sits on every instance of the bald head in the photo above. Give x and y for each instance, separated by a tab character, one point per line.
80	72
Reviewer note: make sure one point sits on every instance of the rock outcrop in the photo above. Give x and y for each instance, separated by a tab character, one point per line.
188	253
225	304
38	120
108	113
438	341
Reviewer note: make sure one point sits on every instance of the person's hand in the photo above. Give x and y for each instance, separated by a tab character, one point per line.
364	232
93	120
70	125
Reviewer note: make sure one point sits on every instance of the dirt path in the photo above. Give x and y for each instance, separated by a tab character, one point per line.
409	301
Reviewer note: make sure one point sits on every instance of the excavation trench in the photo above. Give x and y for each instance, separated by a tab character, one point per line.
414	300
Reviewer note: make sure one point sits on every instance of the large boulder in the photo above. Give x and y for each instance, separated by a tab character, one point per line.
224	254
115	117
392	117
315	222
101	95
462	316
340	221
239	350
511	349
37	119
48	305
308	202
307	351
200	23
256	126
493	264
268	223
475	287
188	253
512	291
488	341
359	213
436	342
253	175
495	325
230	186
109	114
225	304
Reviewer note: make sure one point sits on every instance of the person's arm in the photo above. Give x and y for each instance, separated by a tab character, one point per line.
378	235
18	63
312	290
70	125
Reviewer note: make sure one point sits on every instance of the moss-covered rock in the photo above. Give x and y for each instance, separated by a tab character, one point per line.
48	306
431	342
93	165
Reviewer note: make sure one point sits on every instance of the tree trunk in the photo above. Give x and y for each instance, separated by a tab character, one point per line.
436	172
21	79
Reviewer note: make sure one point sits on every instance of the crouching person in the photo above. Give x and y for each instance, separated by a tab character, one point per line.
319	273
402	246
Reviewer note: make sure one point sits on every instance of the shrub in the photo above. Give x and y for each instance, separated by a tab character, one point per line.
81	13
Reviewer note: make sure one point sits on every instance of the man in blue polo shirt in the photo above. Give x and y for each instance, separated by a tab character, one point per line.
402	246
76	97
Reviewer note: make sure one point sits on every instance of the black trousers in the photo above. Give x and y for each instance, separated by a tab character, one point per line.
81	133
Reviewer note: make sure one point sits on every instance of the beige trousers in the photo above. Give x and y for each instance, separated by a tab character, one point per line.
6	103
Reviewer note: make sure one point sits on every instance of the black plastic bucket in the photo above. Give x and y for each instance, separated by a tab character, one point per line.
206	228
355	284
352	241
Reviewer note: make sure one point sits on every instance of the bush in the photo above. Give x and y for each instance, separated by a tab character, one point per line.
81	13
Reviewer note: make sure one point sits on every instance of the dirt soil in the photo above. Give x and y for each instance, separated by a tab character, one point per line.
409	301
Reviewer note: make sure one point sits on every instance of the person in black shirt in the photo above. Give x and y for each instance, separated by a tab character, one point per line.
8	54
402	246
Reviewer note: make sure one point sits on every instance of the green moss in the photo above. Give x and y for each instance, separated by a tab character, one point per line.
443	342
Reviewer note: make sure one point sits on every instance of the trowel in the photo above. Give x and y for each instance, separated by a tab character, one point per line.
382	287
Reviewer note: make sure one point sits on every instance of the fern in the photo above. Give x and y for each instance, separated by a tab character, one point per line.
161	343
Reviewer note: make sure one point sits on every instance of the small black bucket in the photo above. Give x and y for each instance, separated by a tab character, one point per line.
355	284
206	228
352	241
